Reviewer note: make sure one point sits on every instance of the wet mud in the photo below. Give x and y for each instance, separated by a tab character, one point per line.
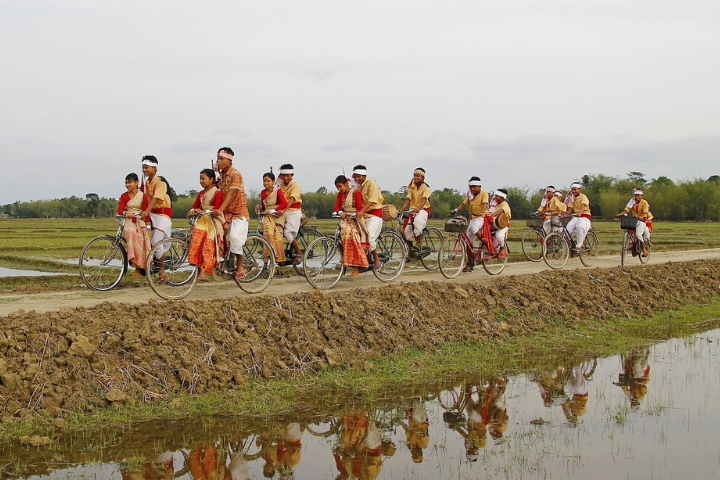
92	357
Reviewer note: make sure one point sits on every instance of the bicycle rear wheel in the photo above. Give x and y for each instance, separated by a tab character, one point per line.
391	249
431	241
556	250
494	263
178	277
306	236
259	263
590	247
103	263
625	251
532	245
323	265
452	256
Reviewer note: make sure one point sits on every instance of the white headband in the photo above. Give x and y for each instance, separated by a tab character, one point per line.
549	189
149	163
558	193
474	183
360	171
224	154
287	171
498	193
638	192
576	185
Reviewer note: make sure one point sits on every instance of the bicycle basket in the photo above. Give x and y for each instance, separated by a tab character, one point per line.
180	233
534	222
565	220
628	223
456	224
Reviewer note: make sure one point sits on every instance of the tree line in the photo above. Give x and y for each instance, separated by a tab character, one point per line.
695	200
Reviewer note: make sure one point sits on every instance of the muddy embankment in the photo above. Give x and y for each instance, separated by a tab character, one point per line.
91	357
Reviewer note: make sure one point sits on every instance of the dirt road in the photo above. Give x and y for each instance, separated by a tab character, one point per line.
53	301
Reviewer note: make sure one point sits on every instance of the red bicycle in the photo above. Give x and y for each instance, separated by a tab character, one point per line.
457	249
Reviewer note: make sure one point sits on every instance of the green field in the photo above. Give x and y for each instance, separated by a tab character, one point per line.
54	245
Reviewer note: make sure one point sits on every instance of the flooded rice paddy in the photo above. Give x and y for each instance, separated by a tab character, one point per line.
14	272
648	413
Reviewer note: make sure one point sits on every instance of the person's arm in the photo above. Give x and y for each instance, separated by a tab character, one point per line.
338	202
282	201
123	201
217	201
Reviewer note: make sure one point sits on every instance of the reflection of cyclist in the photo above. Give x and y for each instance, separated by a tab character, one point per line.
161	468
576	388
479	202
417	429
360	448
418	199
635	376
639	208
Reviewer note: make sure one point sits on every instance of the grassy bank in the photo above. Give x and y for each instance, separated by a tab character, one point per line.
387	376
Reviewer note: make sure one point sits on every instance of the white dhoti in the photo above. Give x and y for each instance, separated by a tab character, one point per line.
237	235
420	221
578	228
292	224
161	229
475	225
642	232
499	237
374	226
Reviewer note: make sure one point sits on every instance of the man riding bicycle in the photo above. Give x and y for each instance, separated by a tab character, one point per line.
640	209
579	226
418	199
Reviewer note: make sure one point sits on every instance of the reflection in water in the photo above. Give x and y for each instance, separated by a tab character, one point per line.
475	427
635	376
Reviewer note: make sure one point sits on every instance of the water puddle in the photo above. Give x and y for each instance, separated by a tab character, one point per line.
12	272
650	413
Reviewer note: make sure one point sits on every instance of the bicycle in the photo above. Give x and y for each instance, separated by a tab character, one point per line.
180	276
431	237
557	246
103	262
324	266
306	235
534	238
456	249
630	240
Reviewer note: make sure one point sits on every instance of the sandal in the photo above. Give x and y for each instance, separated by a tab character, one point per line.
240	274
162	277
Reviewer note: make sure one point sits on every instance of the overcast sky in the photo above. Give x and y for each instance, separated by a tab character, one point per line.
520	93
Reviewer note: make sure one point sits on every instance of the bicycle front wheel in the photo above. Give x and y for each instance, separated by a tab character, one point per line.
305	237
590	247
431	241
494	263
556	251
451	258
646	258
391	249
103	263
178	276
259	263
625	251
323	265
532	245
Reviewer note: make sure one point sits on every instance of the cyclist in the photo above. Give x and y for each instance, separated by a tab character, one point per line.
418	199
479	202
234	206
158	209
353	232
207	242
550	206
578	203
135	231
272	202
371	209
499	206
640	209
293	214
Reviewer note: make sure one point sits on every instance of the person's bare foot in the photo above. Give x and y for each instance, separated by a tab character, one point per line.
136	273
355	272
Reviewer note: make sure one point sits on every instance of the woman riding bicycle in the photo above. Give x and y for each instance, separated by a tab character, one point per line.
639	208
207	242
353	232
136	233
272	199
